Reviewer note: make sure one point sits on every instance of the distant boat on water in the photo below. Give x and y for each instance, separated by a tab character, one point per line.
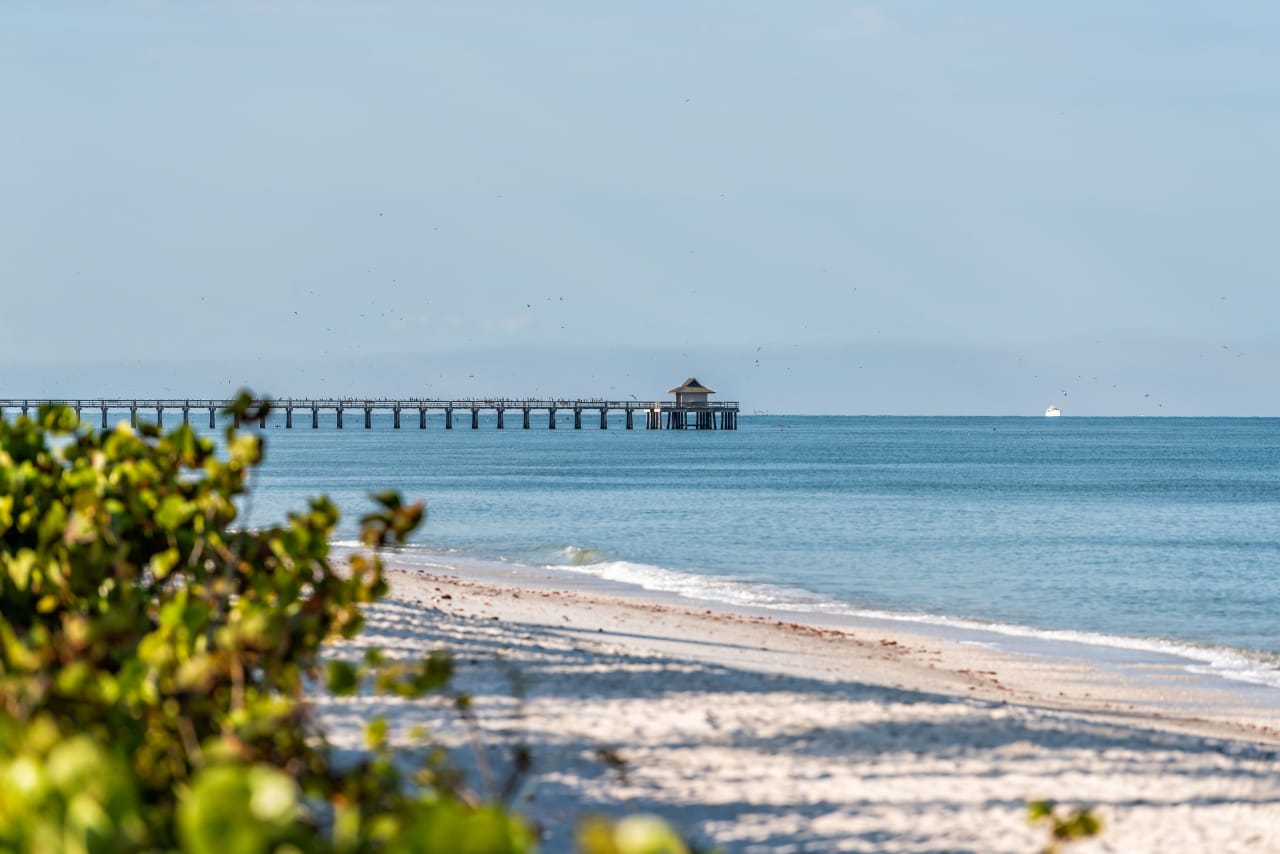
1052	412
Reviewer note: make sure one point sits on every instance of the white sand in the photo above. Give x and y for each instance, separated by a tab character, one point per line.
756	735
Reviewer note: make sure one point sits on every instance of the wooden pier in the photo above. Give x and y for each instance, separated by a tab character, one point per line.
654	414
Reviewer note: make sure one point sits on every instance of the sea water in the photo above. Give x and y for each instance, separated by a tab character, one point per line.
1139	533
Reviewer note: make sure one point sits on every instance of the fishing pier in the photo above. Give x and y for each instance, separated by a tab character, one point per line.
691	409
337	411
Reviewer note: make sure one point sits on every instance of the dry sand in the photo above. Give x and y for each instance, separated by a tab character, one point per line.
754	734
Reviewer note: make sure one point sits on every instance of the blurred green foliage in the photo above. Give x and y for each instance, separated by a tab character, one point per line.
634	834
1065	826
153	659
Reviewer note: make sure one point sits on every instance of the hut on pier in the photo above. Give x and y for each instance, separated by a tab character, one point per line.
691	393
691	409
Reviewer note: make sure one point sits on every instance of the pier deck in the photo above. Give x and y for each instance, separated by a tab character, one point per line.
658	414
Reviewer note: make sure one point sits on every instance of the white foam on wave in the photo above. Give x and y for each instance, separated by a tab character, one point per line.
1252	666
1258	668
729	591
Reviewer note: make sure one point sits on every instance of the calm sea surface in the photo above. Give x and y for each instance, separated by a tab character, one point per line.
1161	533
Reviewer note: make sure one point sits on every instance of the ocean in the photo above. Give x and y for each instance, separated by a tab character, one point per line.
1130	533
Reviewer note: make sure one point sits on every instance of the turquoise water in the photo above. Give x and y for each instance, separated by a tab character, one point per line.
1160	533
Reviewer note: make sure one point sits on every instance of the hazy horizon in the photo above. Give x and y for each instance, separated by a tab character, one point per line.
974	383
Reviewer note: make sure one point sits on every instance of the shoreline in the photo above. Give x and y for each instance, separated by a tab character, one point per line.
957	661
1253	673
752	732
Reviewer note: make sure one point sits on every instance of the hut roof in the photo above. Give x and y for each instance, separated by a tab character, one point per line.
693	386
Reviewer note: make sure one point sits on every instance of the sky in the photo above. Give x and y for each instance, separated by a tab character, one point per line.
812	206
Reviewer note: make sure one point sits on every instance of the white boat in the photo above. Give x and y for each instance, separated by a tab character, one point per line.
1052	412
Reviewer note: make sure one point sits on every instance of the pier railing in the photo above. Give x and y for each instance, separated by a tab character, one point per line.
718	415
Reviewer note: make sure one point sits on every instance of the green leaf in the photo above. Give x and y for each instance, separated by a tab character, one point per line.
18	567
58	419
238	808
162	563
389	499
173	512
6	513
52	523
375	733
341	678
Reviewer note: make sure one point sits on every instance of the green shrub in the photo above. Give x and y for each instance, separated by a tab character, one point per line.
153	658
1065	827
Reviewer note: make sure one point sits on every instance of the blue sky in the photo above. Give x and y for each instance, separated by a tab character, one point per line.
814	207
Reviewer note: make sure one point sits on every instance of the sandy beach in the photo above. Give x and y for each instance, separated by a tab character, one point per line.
751	732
